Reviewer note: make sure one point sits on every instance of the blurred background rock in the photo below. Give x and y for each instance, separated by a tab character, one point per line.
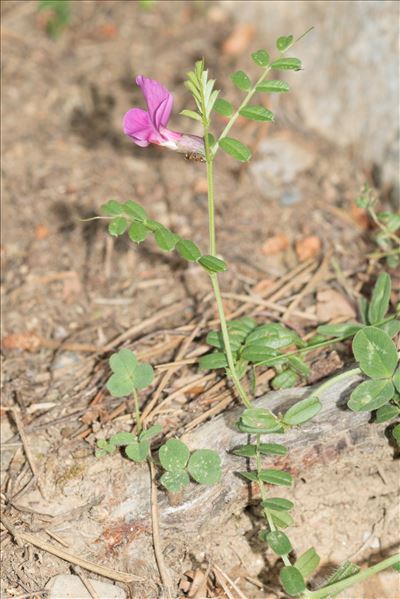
349	93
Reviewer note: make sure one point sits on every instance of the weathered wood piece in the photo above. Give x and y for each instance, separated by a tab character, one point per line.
120	520
334	431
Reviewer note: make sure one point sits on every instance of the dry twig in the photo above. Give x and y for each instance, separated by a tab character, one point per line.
155	526
78	561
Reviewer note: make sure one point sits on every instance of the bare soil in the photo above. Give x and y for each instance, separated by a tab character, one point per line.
67	289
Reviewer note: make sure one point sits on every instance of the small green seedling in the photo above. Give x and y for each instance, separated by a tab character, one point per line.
388	223
60	12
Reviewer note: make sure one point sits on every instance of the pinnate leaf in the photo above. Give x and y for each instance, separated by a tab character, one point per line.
191	114
212	264
273	86
273	449
256	113
166	240
292	580
281	519
284	42
284	64
118	226
260	419
276	477
137	232
279	542
241	80
278	504
284	380
302	411
235	148
344	329
308	562
223	107
261	58
135	210
212	361
112	208
188	250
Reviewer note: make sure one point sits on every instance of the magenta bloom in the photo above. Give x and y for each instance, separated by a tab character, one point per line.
150	127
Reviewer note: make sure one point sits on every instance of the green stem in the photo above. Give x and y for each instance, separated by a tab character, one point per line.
384	254
249	95
211	205
337	587
335	379
137	413
227	344
214	278
383	227
320	345
268	516
235	116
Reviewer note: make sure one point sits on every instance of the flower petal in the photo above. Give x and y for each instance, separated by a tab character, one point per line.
138	126
158	99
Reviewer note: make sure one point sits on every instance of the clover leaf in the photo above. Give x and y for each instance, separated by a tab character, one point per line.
129	374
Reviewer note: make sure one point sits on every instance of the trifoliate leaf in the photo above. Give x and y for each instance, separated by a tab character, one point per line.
174	455
375	352
129	374
371	395
205	466
175	481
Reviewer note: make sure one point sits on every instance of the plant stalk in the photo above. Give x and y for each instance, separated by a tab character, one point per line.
268	516
214	277
341	585
137	413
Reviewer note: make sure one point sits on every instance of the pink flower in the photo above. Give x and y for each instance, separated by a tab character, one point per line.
150	127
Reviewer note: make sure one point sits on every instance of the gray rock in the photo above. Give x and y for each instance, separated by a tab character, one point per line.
68	586
349	90
279	161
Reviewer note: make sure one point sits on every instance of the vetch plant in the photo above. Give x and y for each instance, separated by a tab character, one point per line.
388	224
60	15
240	346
